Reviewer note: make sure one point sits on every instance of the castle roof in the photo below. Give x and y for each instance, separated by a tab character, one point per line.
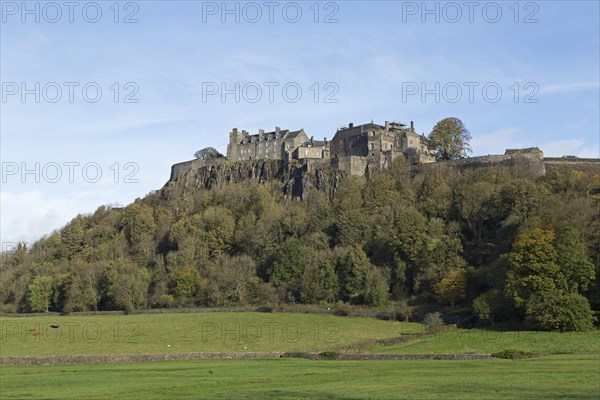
282	133
356	130
314	143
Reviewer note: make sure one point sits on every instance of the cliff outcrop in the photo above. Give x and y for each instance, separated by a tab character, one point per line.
296	177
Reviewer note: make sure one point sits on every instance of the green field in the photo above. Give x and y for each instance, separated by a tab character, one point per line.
478	341
262	332
573	376
566	376
190	332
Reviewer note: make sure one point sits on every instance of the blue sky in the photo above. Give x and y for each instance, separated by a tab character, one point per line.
373	59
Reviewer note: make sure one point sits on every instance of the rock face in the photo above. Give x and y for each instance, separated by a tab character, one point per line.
296	177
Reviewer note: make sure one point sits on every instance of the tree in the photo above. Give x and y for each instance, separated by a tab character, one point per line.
532	266
187	283
450	139
82	292
360	281
40	293
208	153
545	282
126	285
576	269
452	287
493	306
474	202
232	281
288	267
554	310
319	283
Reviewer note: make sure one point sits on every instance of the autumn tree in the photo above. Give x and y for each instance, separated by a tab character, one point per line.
450	139
452	287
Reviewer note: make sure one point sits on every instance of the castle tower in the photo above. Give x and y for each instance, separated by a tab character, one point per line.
235	138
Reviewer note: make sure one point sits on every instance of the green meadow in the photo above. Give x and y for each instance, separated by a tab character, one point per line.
263	332
190	332
554	377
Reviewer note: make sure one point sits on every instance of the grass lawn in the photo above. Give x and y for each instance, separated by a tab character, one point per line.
564	376
486	342
189	332
261	332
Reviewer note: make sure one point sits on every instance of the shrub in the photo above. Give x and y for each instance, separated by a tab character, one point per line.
433	321
329	355
343	310
512	354
401	311
164	301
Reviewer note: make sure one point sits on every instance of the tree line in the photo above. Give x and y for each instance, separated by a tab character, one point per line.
505	249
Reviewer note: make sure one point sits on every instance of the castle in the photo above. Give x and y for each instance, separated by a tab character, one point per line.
351	149
356	150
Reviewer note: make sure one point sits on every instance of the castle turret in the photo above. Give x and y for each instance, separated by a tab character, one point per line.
235	138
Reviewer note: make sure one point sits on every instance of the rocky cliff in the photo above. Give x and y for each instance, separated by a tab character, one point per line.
296	177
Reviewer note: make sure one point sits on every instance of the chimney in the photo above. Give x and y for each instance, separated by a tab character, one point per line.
235	131
350	125
412	126
312	139
387	125
261	132
277	129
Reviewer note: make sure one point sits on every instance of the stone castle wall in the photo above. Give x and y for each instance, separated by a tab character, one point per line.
590	165
187	166
527	164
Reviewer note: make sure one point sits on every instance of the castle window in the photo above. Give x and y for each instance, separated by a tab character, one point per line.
372	146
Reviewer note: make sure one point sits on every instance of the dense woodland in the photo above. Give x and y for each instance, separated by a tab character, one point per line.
496	249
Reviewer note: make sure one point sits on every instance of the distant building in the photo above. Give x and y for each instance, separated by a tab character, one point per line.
354	147
312	149
276	145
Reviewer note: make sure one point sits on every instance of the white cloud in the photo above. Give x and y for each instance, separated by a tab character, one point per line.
576	147
498	141
27	216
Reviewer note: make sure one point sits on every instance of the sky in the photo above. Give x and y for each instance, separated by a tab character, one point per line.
99	99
